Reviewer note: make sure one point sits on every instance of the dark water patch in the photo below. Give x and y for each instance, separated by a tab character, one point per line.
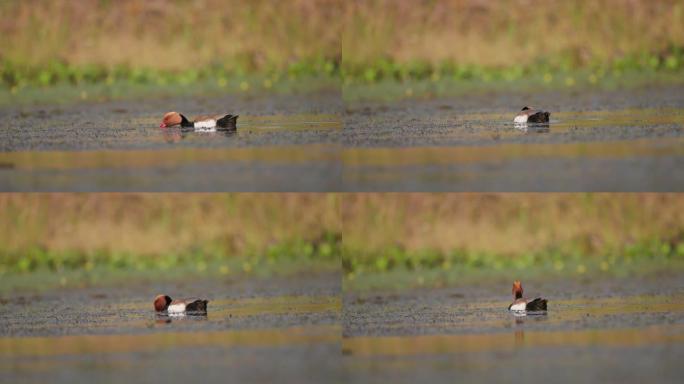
300	168
291	354
644	166
518	359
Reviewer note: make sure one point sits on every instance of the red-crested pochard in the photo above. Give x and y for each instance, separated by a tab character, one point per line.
523	305
529	115
223	122
164	303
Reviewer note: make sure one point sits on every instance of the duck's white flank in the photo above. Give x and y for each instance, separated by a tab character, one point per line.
205	124
522	306
176	308
520	119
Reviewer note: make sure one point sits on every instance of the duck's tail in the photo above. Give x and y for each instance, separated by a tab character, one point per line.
537	304
228	122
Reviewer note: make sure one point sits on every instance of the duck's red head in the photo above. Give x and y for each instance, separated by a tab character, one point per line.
517	289
170	119
161	302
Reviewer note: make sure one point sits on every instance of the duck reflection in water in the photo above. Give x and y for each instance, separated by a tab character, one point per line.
163	318
519	337
177	134
531	128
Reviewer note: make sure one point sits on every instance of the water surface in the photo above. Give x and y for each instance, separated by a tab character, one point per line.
596	140
253	331
600	331
281	144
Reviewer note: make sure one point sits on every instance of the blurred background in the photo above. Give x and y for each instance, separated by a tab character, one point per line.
241	46
438	239
74	239
233	45
562	43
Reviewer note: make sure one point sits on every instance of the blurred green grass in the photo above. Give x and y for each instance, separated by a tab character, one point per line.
229	234
166	41
248	86
508	40
180	43
581	80
448	236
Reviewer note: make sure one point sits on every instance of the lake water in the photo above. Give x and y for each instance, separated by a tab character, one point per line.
254	331
620	140
608	331
283	143
631	140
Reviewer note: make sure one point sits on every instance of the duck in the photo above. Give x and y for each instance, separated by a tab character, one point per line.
529	115
520	304
164	303
214	122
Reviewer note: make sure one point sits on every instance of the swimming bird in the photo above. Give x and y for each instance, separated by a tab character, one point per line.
520	304
164	303
528	115
222	122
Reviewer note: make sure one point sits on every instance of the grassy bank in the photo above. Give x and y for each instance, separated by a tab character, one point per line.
90	235
509	40
247	86
437	239
576	81
102	50
181	42
165	42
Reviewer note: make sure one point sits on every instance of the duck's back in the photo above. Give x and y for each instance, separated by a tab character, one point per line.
538	117
537	304
196	305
